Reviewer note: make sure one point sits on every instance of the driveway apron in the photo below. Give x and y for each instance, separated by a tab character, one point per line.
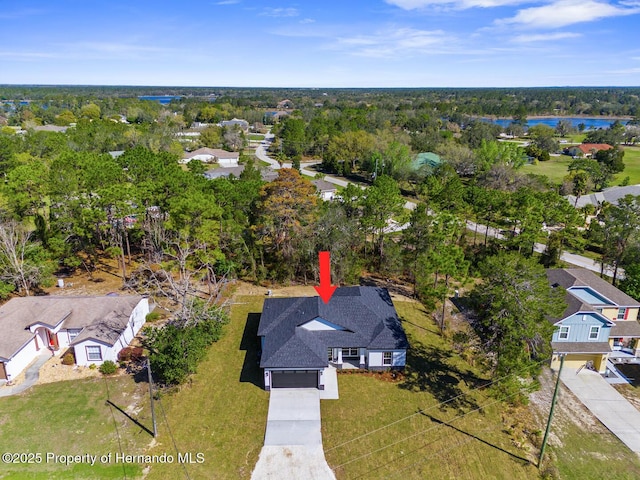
611	408
293	441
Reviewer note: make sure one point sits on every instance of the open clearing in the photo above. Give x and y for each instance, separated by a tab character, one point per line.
381	427
556	168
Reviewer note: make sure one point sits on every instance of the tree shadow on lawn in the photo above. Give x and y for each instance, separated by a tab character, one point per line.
250	343
429	369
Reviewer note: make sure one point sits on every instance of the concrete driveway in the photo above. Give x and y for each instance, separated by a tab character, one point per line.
611	408
293	441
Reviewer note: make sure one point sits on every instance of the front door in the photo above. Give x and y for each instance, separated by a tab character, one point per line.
3	371
53	340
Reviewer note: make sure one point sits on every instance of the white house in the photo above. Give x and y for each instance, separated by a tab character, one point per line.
213	155
96	328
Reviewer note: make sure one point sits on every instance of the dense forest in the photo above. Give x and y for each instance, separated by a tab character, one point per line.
108	183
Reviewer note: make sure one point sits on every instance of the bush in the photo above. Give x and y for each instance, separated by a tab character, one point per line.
68	359
176	348
130	354
153	316
108	367
92	366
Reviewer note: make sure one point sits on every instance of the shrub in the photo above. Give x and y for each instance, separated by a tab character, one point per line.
130	354
108	368
153	316
92	366
68	359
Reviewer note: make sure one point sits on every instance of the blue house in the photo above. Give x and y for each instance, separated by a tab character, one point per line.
599	318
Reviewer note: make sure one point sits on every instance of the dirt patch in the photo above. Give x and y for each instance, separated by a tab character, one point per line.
568	409
385	376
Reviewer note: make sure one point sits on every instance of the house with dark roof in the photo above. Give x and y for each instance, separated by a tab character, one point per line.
599	318
96	328
302	336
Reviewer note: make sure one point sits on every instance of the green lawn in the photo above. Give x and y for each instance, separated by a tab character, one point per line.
379	428
256	136
72	418
556	168
466	438
222	412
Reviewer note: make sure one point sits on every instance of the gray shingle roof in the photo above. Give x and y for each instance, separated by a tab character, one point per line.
580	347
611	195
579	277
366	314
625	328
101	318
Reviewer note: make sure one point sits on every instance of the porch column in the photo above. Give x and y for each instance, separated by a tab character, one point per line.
339	358
363	352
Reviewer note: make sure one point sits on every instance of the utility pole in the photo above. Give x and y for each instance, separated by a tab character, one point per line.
153	412
553	405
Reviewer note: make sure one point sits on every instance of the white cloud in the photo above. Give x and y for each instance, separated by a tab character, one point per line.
306	21
566	12
545	37
394	43
458	4
280	12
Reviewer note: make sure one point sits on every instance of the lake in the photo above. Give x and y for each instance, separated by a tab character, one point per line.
163	99
591	123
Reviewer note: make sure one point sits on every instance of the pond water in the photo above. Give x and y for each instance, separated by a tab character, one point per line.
589	122
163	99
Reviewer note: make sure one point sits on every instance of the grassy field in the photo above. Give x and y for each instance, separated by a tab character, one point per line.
556	168
379	428
73	418
222	412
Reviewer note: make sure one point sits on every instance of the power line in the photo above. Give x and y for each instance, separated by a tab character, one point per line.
447	423
430	408
368	454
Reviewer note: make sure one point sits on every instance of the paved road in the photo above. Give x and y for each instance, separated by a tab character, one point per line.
611	408
293	441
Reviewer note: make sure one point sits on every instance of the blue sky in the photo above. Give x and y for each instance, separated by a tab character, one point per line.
346	43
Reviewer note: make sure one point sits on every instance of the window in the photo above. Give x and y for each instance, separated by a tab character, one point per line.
349	352
622	313
593	333
386	358
93	353
330	354
564	333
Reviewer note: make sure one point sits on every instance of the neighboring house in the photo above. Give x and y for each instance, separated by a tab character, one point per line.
426	159
242	124
285	104
50	128
586	150
224	172
266	174
301	337
599	318
325	189
96	328
213	155
610	195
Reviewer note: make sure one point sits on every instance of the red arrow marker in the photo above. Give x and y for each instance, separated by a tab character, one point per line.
325	290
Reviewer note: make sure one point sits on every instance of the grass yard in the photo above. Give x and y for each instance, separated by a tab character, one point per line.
556	168
379	428
222	412
466	438
73	418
